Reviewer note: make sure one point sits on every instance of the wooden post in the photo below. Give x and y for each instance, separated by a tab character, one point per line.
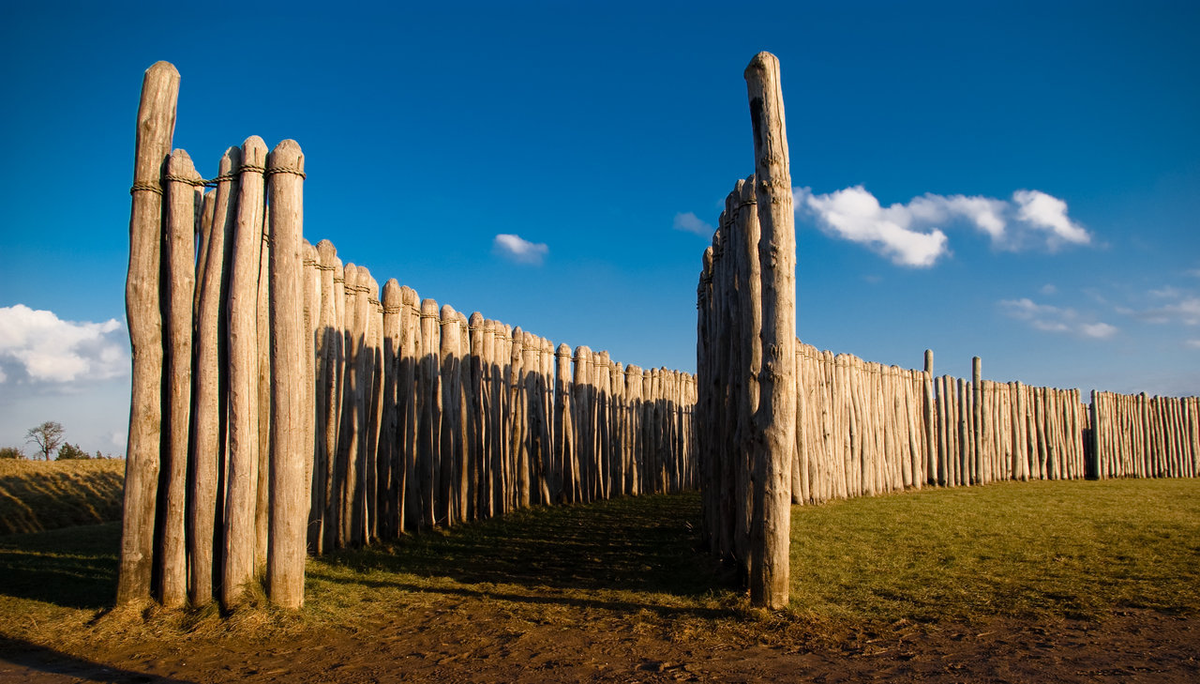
429	416
208	427
262	504
776	415
242	484
390	462
289	495
155	128
180	276
329	350
478	400
410	323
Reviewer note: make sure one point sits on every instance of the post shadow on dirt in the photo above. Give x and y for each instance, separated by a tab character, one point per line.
48	660
645	543
74	567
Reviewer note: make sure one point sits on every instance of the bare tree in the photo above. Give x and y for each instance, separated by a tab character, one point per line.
47	436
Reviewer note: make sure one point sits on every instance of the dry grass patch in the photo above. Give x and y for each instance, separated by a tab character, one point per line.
46	495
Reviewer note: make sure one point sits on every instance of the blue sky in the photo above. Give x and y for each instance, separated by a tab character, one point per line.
1018	181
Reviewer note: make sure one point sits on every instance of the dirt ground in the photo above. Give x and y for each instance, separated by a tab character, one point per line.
478	639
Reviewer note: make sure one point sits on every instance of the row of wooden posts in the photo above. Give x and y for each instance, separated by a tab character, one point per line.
865	429
1140	436
282	406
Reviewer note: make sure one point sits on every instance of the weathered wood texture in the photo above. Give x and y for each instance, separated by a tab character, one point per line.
289	498
155	128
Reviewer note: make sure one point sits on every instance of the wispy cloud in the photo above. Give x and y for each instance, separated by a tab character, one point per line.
912	234
39	348
1055	319
691	223
518	250
1194	344
1180	307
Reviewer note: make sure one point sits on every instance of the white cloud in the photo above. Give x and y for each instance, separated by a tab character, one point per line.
1055	319
1045	212
36	347
912	234
854	214
1048	289
1098	330
691	223
521	251
1194	344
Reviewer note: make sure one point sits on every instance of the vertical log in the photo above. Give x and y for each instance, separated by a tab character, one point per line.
242	485
155	128
410	322
390	463
289	495
776	415
263	489
313	447
329	350
180	276
564	455
429	418
208	427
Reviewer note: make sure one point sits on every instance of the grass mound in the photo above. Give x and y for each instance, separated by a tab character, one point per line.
46	495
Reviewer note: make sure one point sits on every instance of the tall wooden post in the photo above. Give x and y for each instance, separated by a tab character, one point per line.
180	276
776	415
155	128
209	424
242	483
289	495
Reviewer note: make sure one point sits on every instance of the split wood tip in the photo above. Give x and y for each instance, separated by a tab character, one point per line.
180	164
391	293
254	150
762	62
410	296
162	68
327	252
287	154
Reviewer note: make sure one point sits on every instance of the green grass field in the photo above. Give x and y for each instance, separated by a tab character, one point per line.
1040	551
1019	549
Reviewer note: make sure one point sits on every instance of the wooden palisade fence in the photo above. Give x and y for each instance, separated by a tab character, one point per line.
283	404
864	428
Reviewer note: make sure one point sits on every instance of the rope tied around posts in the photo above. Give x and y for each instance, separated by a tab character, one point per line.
156	186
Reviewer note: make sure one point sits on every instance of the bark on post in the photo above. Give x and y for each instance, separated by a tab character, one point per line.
776	415
180	276
289	495
155	128
242	484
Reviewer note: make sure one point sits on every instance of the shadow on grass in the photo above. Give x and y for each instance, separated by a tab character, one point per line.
642	544
74	567
48	660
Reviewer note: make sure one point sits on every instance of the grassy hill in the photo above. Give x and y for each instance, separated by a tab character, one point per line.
46	495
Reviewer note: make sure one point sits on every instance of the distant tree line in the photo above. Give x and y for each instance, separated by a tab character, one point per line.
49	438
